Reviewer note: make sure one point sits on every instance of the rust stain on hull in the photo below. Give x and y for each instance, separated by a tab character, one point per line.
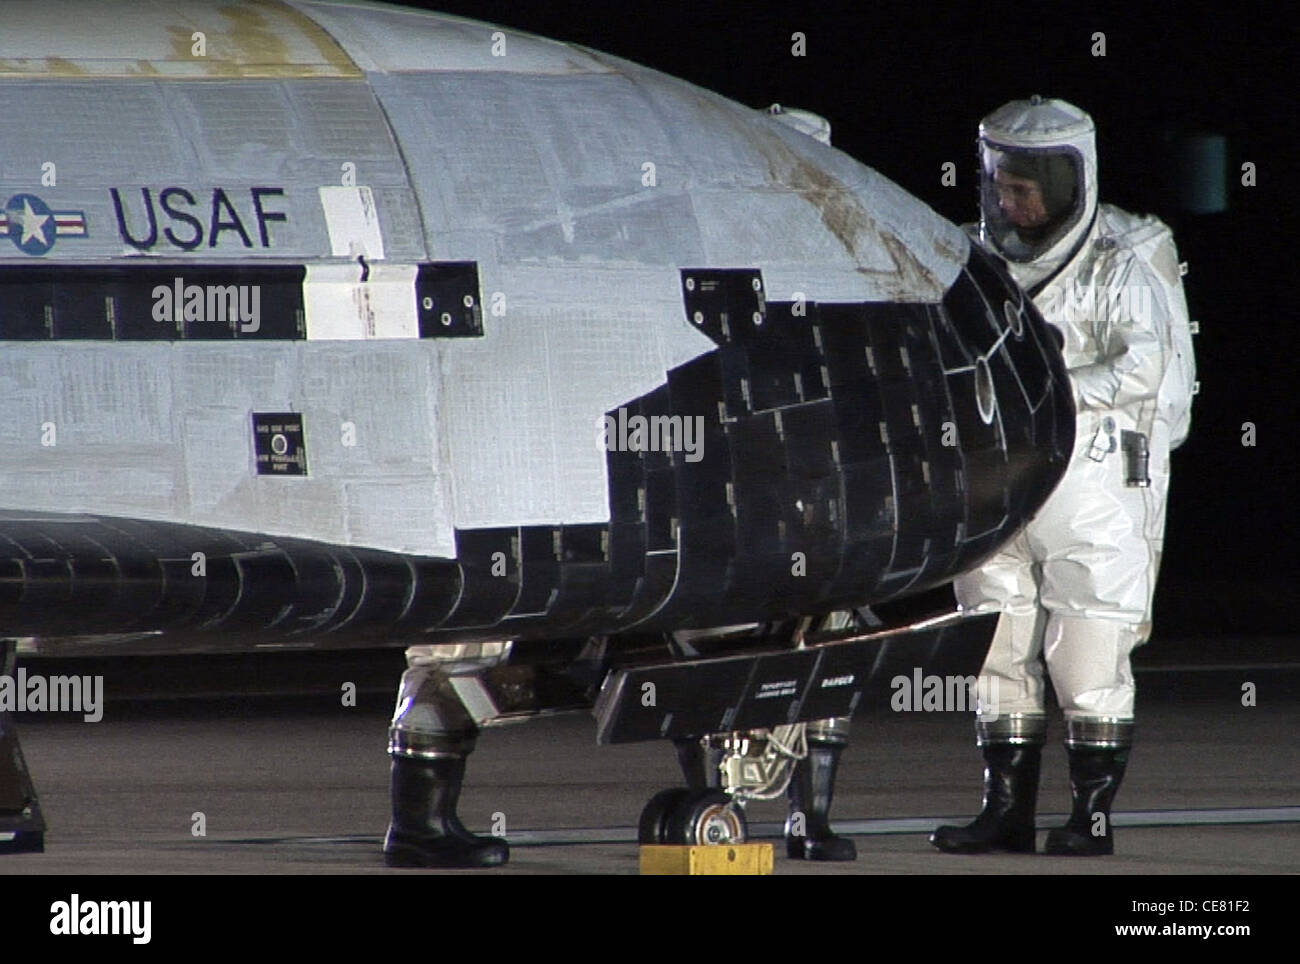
243	38
845	216
840	209
328	48
63	67
254	44
946	251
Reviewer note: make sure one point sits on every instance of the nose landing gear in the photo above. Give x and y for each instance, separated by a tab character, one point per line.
693	817
754	765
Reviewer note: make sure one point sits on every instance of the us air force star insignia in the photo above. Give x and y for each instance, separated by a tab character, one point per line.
33	227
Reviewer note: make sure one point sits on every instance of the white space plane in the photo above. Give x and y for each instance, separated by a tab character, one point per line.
340	325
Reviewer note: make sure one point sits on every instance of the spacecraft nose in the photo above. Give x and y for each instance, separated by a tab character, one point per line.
1037	399
1022	421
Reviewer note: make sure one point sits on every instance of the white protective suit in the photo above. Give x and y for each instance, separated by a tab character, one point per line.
1076	584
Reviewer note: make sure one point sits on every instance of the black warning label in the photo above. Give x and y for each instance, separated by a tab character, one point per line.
279	443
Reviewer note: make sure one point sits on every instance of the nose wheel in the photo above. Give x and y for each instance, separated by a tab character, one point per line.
692	817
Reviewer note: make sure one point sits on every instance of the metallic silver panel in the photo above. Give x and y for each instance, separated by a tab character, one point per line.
574	344
297	135
107	130
388	38
200	137
341	120
236	125
743	234
498	151
731	185
163	431
110	419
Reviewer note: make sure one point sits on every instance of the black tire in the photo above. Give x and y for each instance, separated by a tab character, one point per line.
654	818
707	817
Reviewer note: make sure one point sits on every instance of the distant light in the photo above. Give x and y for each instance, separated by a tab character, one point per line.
1203	173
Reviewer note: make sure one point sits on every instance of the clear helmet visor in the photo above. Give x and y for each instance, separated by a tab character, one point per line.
1029	199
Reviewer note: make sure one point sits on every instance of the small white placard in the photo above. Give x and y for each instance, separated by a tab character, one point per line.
353	222
340	306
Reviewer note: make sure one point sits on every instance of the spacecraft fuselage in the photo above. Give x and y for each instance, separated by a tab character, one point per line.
350	325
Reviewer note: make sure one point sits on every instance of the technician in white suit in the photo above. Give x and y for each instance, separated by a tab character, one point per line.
1076	585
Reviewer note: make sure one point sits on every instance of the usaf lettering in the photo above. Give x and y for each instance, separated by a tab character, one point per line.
185	227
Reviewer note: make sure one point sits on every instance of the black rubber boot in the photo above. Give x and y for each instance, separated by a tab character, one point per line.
1010	798
812	788
425	831
699	763
1095	776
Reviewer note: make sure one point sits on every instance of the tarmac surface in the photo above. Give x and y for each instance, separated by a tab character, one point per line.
300	786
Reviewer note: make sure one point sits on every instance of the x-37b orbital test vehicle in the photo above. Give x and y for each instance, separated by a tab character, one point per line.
334	325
